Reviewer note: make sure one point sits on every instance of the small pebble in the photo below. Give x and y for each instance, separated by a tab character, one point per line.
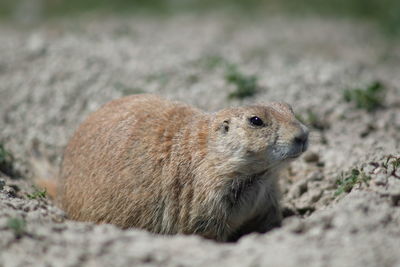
311	157
10	191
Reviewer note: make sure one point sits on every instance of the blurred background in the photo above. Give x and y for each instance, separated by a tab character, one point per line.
384	13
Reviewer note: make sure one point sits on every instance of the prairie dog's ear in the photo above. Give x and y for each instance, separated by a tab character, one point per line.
282	106
224	126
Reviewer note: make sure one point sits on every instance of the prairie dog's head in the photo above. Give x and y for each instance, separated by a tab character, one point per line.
260	137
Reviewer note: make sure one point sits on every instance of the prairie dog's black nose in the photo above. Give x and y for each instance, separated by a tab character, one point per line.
301	139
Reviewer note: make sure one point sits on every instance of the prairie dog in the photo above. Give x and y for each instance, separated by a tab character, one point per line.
145	162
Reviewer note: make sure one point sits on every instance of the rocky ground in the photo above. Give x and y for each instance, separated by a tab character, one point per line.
341	199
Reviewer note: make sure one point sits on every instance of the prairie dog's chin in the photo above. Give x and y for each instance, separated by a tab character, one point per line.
286	152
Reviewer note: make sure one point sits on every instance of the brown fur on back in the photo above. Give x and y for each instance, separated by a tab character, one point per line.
141	161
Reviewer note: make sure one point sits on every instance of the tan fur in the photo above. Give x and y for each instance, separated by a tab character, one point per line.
142	161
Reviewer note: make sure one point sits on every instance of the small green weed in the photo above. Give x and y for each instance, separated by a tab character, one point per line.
346	183
395	162
162	78
18	226
369	98
126	90
310	118
246	85
6	161
37	194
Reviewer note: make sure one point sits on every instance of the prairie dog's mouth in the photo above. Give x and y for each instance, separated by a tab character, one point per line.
291	151
297	147
296	150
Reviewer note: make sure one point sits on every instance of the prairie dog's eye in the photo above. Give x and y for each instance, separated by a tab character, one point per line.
256	121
